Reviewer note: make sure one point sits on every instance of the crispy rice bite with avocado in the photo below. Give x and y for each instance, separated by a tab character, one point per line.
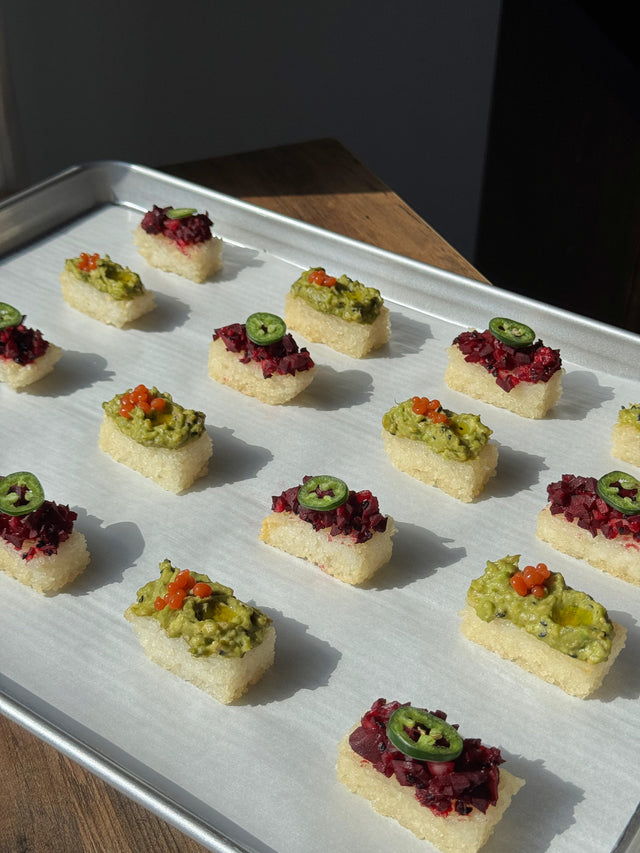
533	618
507	367
261	359
340	530
439	447
179	240
413	765
25	356
597	521
625	435
147	431
344	314
104	289
38	543
197	629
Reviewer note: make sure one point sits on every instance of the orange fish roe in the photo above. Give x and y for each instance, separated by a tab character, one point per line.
179	588
531	580
320	277
430	409
88	262
141	397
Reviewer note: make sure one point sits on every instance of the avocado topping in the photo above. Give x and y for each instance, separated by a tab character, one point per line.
565	619
106	275
459	437
215	624
170	426
350	300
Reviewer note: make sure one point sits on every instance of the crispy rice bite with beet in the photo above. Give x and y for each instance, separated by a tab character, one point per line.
597	520
336	528
506	368
25	356
414	766
179	240
274	371
38	543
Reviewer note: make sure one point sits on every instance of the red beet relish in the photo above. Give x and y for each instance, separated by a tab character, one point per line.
46	528
578	498
471	781
509	365
22	345
358	518
195	228
282	357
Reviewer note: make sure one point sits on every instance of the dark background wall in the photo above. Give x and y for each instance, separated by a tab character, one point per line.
511	126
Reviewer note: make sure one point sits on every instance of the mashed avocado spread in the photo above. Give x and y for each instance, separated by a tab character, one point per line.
565	619
218	624
462	438
630	415
346	299
108	277
171	428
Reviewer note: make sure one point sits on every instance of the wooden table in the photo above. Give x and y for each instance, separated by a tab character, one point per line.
49	804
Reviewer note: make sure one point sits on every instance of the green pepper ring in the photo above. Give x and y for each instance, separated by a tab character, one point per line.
610	494
34	494
264	328
432	729
180	212
310	499
511	332
9	316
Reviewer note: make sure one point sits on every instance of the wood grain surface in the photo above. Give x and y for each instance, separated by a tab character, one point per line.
49	804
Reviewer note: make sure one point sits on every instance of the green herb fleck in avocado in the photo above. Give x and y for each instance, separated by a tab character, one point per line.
630	415
173	427
565	619
218	624
347	299
108	277
462	438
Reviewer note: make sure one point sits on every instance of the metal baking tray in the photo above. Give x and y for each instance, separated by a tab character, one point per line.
259	775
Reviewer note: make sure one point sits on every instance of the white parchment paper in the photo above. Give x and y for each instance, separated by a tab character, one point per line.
262	770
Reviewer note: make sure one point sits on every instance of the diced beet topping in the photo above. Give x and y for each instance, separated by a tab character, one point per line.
282	357
195	228
359	517
22	345
509	365
577	498
471	781
46	528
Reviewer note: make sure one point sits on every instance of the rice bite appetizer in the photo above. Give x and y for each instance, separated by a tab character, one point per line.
596	520
533	618
625	435
344	314
149	432
506	366
38	543
25	356
197	629
261	359
414	766
439	447
104	289
340	530
179	240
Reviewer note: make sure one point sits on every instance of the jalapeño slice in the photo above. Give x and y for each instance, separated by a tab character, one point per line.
421	735
264	328
9	316
20	493
180	212
611	486
323	492
511	332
